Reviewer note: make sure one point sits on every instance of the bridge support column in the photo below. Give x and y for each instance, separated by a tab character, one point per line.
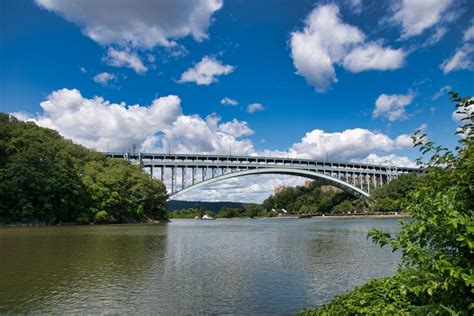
183	177
162	174
173	179
193	175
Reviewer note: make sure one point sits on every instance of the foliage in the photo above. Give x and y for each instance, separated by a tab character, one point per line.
437	242
47	179
391	197
382	296
174	205
309	200
249	211
189	213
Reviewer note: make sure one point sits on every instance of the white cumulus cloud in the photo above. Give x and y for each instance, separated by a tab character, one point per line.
392	106
206	71
391	160
373	57
416	16
101	124
236	128
125	58
104	78
326	40
138	23
229	101
255	107
349	144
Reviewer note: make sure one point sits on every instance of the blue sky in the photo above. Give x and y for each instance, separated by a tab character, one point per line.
356	77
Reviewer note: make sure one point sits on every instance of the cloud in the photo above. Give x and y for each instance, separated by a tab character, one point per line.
436	36
255	107
392	106
125	58
416	16
229	101
355	6
461	60
349	144
101	124
104	78
469	34
138	23
405	141
442	92
373	57
206	71
325	41
236	128
250	189
392	160
98	123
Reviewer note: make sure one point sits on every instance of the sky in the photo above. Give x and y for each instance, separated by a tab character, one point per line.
347	80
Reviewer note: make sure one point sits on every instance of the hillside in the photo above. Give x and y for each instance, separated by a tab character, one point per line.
46	179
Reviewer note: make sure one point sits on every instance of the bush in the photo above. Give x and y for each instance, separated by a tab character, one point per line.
102	217
437	243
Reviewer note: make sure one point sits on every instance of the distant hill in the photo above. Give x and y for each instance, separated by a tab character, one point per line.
174	205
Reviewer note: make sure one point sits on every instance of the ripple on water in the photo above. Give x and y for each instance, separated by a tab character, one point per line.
266	266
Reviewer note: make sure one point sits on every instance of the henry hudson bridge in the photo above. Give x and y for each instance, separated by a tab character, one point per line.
191	171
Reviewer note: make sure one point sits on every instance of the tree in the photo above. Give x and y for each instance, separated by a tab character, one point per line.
46	178
390	197
437	242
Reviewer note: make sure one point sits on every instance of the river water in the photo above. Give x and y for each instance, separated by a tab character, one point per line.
228	266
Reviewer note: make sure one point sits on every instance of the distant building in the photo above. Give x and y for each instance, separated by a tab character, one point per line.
279	189
330	188
307	183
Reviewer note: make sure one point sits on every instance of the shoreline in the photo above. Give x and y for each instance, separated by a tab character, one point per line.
355	216
347	216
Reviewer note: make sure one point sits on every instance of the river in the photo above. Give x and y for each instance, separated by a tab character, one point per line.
228	266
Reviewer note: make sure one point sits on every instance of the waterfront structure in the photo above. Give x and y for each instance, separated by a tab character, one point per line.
197	170
279	189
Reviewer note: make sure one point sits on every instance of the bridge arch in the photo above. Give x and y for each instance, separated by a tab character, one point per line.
285	171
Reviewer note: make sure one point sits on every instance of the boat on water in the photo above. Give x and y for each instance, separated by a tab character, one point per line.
206	217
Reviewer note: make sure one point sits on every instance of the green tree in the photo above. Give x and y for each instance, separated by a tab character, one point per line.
391	197
436	276
45	178
437	242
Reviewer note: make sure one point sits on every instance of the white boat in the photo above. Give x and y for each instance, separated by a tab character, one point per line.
207	217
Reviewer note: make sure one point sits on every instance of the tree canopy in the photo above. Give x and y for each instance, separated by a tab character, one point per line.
45	178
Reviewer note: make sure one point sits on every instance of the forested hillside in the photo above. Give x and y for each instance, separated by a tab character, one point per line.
313	200
47	179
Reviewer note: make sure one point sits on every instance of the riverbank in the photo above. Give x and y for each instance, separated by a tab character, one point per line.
354	216
41	224
399	215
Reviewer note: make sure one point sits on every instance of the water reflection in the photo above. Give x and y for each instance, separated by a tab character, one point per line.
262	266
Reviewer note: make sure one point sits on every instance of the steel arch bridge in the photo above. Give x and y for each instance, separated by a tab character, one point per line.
197	170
